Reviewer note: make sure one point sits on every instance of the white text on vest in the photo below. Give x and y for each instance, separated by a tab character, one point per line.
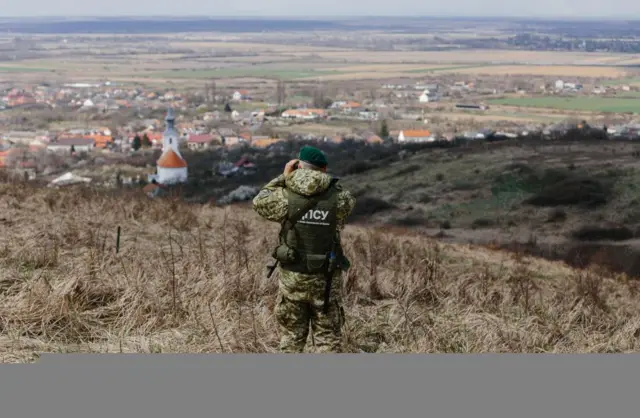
315	215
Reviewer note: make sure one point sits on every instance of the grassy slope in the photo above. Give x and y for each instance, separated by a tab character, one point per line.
481	195
191	279
490	180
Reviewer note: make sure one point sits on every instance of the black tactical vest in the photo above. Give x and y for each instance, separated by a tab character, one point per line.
313	237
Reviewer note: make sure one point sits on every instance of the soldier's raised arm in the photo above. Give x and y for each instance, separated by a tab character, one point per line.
271	201
346	204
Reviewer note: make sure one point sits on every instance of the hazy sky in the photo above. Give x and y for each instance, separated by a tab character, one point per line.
531	8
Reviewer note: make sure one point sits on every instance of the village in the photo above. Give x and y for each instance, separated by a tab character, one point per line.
106	119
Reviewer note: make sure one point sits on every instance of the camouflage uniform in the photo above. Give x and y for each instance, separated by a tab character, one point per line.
301	296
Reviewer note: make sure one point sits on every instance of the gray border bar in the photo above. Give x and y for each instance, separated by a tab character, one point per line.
346	385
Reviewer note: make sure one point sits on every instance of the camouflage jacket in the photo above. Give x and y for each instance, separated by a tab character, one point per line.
271	201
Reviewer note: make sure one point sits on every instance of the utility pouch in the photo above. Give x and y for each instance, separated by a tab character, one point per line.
316	263
285	254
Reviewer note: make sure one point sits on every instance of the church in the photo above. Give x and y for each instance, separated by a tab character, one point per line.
171	166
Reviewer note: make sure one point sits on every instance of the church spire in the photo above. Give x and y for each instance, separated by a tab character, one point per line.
170	119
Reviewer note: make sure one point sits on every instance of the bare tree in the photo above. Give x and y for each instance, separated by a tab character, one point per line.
373	93
319	96
281	93
210	92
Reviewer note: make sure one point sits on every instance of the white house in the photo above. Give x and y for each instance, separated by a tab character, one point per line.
337	104
79	144
559	85
240	95
303	113
425	97
171	167
369	115
415	136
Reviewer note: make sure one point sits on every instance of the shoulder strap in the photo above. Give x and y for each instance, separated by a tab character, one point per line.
291	221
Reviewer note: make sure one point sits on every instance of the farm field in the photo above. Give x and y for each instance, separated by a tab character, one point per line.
501	115
632	81
593	104
243	72
468	57
300	70
550	70
187	60
10	69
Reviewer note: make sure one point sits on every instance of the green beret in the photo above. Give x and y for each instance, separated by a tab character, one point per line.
313	156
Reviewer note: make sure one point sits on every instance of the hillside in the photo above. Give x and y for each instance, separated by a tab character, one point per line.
563	199
192	279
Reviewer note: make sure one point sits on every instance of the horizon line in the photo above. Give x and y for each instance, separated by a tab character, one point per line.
324	17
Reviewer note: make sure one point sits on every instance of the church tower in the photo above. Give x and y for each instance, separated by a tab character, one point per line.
172	168
170	138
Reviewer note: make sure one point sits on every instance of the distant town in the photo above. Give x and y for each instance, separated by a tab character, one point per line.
242	117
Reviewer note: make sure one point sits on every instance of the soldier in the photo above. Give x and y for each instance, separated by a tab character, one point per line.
306	249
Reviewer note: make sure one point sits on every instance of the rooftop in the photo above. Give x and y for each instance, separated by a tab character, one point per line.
416	133
171	160
201	139
72	141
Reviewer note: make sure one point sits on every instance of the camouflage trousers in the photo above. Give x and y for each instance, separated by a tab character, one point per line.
299	310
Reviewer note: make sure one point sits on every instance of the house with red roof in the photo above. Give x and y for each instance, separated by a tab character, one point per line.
200	141
415	135
244	162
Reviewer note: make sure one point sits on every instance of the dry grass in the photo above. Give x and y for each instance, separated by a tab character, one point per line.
252	47
476	56
192	279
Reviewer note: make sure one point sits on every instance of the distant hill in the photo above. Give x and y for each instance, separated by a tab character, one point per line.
166	25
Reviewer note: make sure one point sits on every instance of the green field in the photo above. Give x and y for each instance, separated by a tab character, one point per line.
241	72
621	81
22	70
457	67
592	104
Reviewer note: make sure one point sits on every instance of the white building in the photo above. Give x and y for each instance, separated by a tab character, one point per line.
240	95
425	97
78	144
172	168
303	113
415	135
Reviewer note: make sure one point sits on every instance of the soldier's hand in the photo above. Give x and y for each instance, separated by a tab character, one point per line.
290	167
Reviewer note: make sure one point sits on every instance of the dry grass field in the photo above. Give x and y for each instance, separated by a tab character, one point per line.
192	279
471	57
547	70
